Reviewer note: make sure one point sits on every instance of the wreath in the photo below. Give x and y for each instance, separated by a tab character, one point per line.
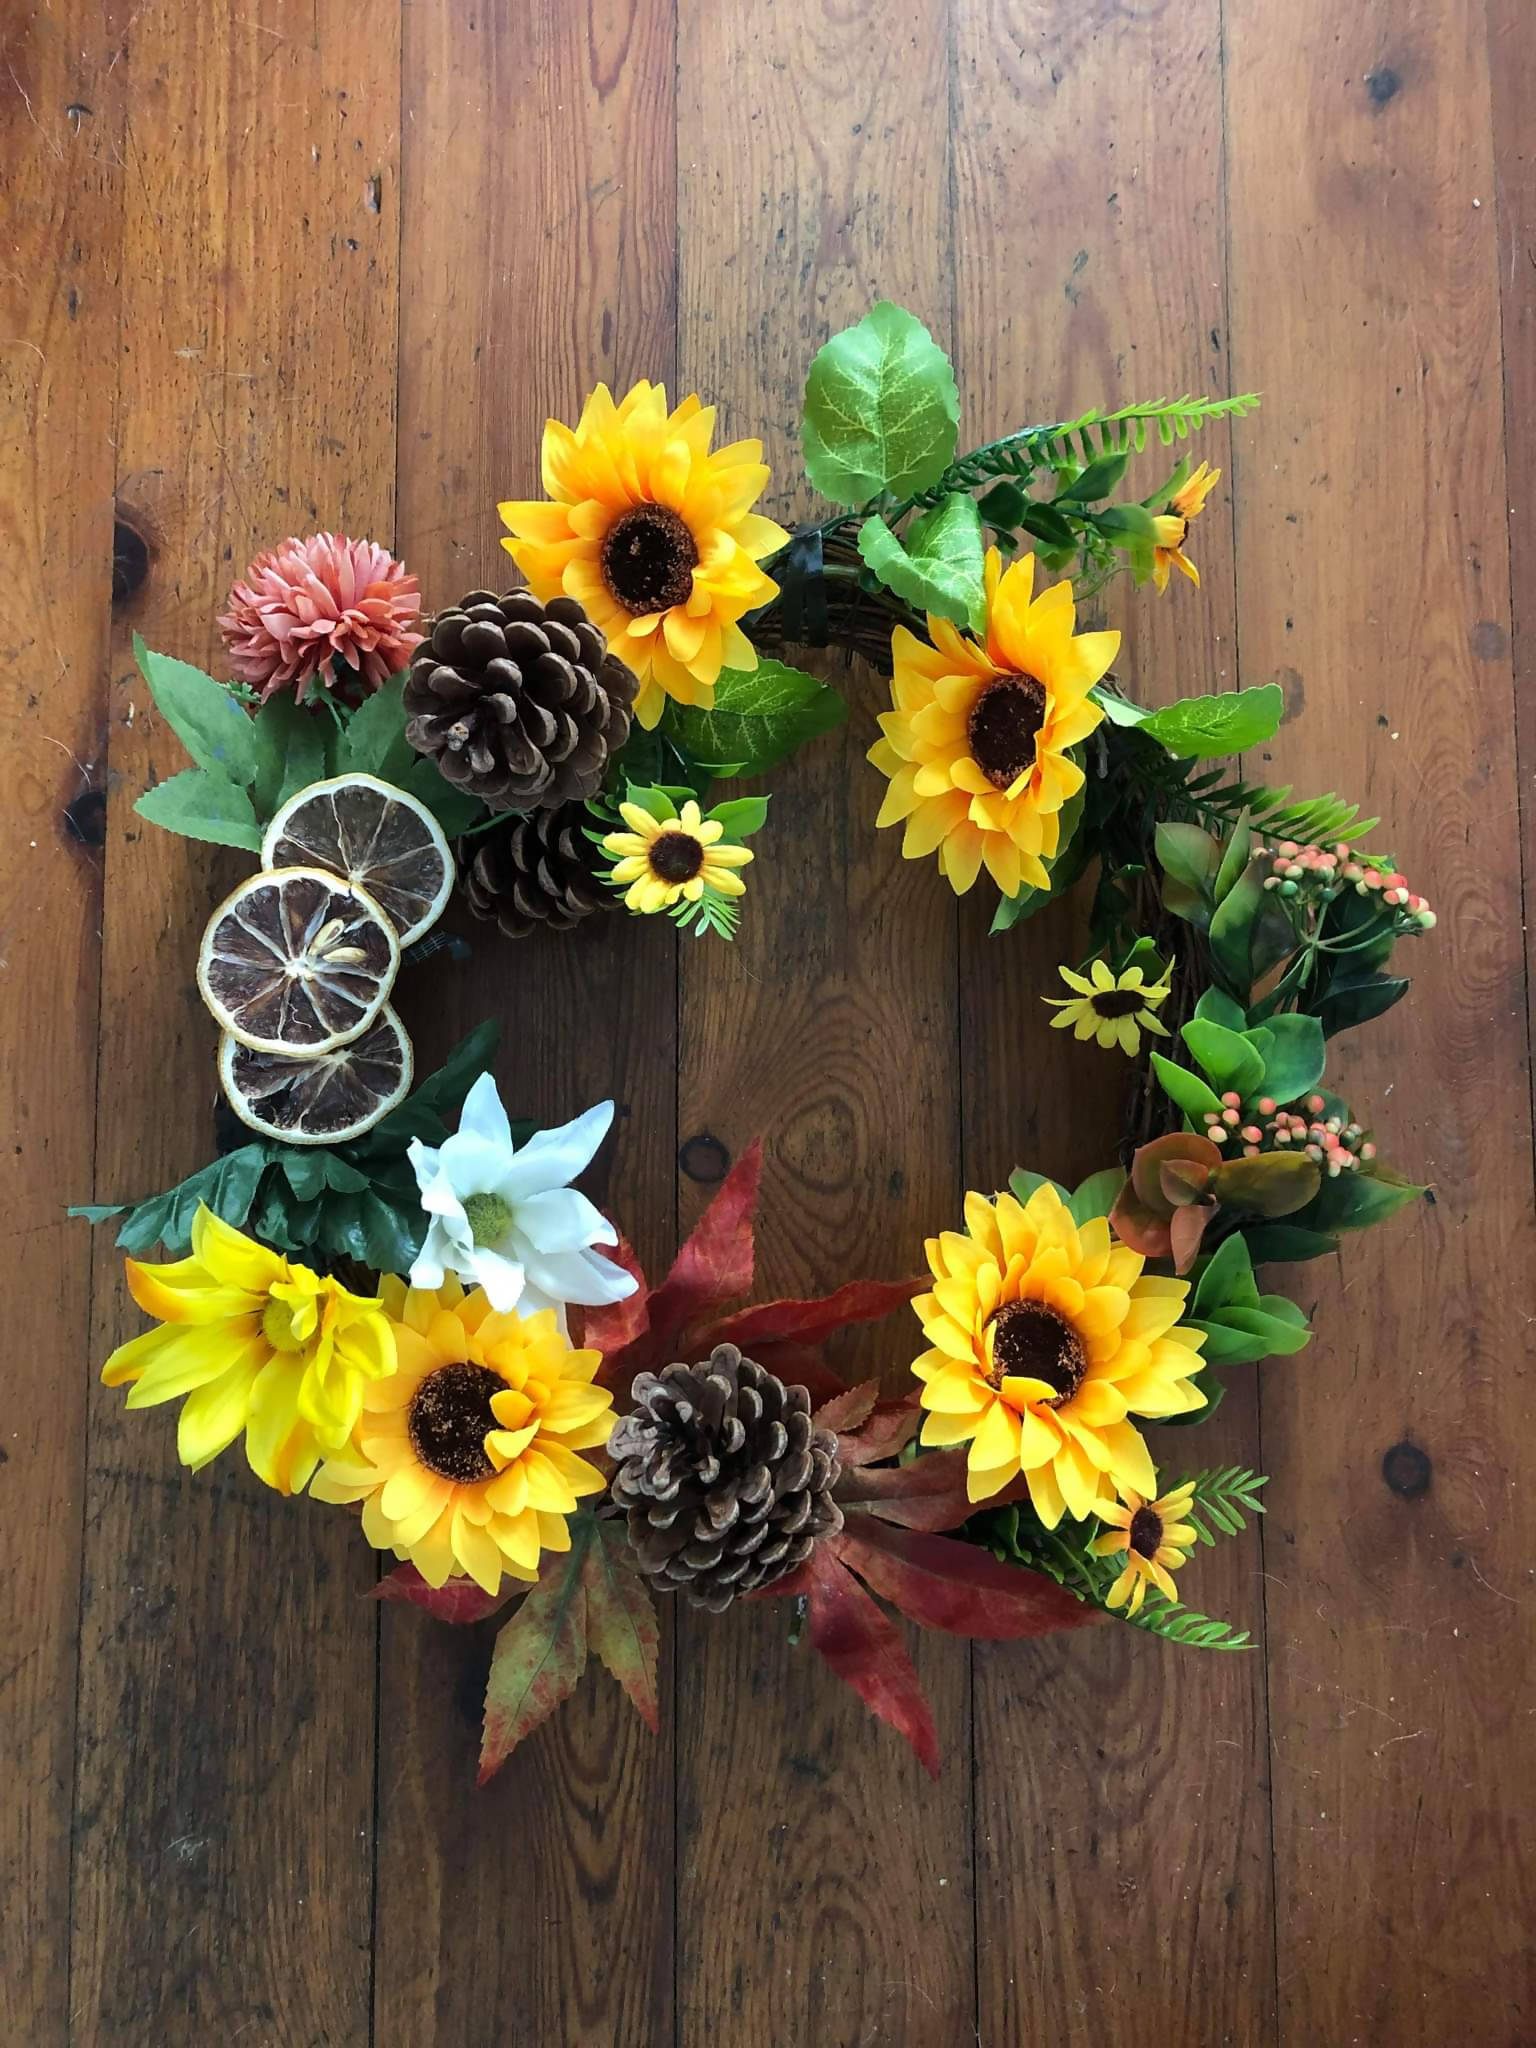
397	1297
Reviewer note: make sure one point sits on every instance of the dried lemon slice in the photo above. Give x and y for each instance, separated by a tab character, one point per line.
297	961
325	1098
387	842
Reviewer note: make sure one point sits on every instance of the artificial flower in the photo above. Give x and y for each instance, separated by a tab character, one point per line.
504	1215
677	861
309	602
1046	1338
1154	1539
465	1460
977	745
1171	526
1113	1009
654	536
255	1343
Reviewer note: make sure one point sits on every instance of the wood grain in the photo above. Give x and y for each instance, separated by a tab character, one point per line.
824	1884
1365	301
59	129
1145	1807
546	1898
223	1870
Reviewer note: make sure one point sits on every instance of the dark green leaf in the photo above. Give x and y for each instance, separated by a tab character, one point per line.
1216	1008
453	809
881	409
1187	853
1097	1195
212	727
1226	1280
1050	526
760	717
1294	1061
1356	1200
1285	1243
201	803
1004	506
1357	1000
1096	481
741	816
444	1091
374	742
1231	931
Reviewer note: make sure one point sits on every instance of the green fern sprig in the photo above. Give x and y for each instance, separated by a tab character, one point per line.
1090	435
1311	821
1221	1499
1179	1624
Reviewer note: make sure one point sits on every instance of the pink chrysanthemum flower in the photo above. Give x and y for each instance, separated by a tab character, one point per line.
307	600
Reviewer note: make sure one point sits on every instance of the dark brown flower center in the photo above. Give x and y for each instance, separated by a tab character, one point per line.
648	559
1032	1341
449	1415
1146	1532
1117	1002
1002	728
676	856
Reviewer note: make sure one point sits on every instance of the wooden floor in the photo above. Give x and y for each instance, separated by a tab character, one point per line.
266	267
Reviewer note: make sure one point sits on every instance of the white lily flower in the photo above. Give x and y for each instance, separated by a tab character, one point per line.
506	1219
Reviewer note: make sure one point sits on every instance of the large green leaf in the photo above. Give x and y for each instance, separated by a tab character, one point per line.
201	803
212	727
759	717
1293	1062
290	751
1193	1095
1200	728
1227	1059
882	411
374	742
938	567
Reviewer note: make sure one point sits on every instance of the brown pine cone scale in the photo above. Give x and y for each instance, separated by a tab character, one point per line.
725	1479
519	703
535	872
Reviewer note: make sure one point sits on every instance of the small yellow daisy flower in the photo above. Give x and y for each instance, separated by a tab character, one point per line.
664	861
1172	524
1153	1539
1112	1008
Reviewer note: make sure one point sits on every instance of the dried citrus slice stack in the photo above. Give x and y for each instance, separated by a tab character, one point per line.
377	837
297	961
326	1098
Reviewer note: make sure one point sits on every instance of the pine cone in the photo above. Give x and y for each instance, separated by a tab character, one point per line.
726	1480
535	871
518	702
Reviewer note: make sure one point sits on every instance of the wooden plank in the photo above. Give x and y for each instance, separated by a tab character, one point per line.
223	1871
60	119
1365	302
549	130
824	1883
1146	1810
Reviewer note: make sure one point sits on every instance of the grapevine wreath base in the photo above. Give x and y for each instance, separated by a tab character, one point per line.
398	1299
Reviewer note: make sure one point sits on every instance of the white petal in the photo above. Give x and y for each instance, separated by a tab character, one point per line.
439	1199
561	1220
583	1277
472	1164
551	1158
483	1116
534	1299
424	1161
501	1278
436	1254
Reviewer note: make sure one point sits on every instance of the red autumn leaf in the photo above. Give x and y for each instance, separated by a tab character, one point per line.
621	1619
611	1325
539	1656
890	1427
864	1648
459	1600
929	1493
847	1410
942	1583
798	1366
812	1322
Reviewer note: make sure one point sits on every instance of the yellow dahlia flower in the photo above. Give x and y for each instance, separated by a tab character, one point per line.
1112	1009
1154	1539
654	536
465	1461
664	861
255	1343
1046	1338
1171	526
976	747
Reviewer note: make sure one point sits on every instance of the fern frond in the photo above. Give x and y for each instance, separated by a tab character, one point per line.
1221	1499
1178	1624
1311	821
1089	436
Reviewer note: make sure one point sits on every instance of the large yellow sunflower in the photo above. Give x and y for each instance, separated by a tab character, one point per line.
654	536
465	1461
976	747
255	1343
1046	1338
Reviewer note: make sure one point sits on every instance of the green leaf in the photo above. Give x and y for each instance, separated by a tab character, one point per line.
290	752
228	1185
1227	1279
1231	932
1356	1200
1357	999
201	803
1117	709
881	409
1226	1057
1286	1244
212	727
1022	1184
1187	853
454	809
1192	1095
444	1091
1200	728
1126	525
1050	526
1234	858
939	568
1097	1194
1004	506
1096	481
759	716
374	742
741	816
1216	1008
1293	1064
